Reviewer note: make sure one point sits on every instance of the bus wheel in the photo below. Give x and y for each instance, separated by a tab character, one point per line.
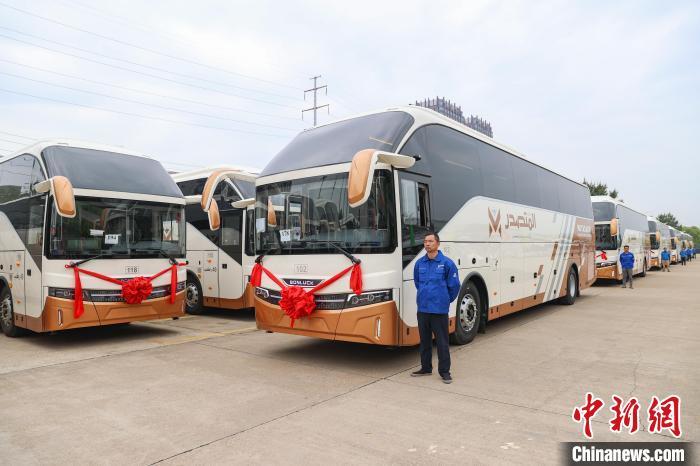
7	315
571	288
193	296
468	312
644	269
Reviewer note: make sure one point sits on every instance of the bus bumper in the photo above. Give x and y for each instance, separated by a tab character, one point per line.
374	324
58	313
609	272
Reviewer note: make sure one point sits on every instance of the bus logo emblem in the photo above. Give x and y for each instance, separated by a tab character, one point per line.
494	222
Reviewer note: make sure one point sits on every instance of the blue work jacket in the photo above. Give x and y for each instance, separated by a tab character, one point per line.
665	256
437	282
627	260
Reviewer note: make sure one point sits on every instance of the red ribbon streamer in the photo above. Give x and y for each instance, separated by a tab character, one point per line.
134	291
297	302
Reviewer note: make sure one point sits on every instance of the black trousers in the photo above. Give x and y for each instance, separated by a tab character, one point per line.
438	324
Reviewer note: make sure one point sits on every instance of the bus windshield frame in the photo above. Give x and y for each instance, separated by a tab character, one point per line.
119	228
604	241
311	213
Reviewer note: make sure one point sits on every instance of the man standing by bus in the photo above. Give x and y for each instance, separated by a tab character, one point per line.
437	282
627	264
665	260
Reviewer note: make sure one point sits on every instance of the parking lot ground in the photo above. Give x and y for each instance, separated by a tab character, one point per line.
211	389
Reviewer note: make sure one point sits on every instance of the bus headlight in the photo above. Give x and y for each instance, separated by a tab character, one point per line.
369	297
605	264
64	293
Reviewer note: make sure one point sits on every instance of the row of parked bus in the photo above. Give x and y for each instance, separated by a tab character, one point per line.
321	242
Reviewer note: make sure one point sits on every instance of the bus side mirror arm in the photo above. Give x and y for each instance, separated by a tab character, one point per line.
62	190
362	169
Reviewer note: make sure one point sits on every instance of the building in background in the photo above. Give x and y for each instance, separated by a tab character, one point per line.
454	111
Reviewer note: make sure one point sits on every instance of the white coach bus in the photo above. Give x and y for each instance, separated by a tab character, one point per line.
368	189
76	216
616	226
219	261
659	238
675	245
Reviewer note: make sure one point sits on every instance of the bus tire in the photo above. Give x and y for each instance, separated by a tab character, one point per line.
7	314
644	269
571	288
193	296
468	315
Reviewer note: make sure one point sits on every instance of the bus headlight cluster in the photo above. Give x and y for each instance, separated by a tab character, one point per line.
369	297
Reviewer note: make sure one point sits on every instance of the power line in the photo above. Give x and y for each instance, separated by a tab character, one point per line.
162	70
162	107
111	16
138	115
13	142
18	136
146	49
140	91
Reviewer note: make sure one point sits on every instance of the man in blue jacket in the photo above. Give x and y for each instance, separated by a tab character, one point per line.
627	264
437	281
665	260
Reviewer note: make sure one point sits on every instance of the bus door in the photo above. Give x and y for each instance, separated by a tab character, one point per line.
33	256
230	255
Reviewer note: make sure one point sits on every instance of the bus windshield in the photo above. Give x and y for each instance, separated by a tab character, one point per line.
123	228
303	216
603	211
603	239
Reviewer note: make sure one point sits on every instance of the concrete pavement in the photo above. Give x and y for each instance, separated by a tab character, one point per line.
211	389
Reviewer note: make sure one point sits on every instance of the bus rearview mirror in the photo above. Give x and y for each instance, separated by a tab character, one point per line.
62	191
613	227
362	168
214	217
217	177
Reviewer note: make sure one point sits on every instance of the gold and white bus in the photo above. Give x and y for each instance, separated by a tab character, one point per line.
659	238
675	245
96	223
616	226
220	260
365	190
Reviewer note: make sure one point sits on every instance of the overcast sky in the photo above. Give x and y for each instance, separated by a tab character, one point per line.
609	91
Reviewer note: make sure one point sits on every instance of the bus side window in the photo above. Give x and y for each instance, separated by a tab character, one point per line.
415	216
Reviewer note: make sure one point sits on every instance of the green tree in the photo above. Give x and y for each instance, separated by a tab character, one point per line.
614	194
596	188
669	219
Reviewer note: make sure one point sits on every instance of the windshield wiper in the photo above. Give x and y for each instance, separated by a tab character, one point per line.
159	252
335	244
98	256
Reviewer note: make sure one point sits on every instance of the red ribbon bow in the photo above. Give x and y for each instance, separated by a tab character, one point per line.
296	302
134	291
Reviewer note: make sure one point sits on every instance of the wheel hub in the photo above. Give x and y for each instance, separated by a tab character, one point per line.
6	312
467	312
192	295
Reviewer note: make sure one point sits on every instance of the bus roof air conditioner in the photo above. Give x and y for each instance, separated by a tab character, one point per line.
362	172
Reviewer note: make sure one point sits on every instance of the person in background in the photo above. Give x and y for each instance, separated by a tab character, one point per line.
665	260
684	256
437	283
627	264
